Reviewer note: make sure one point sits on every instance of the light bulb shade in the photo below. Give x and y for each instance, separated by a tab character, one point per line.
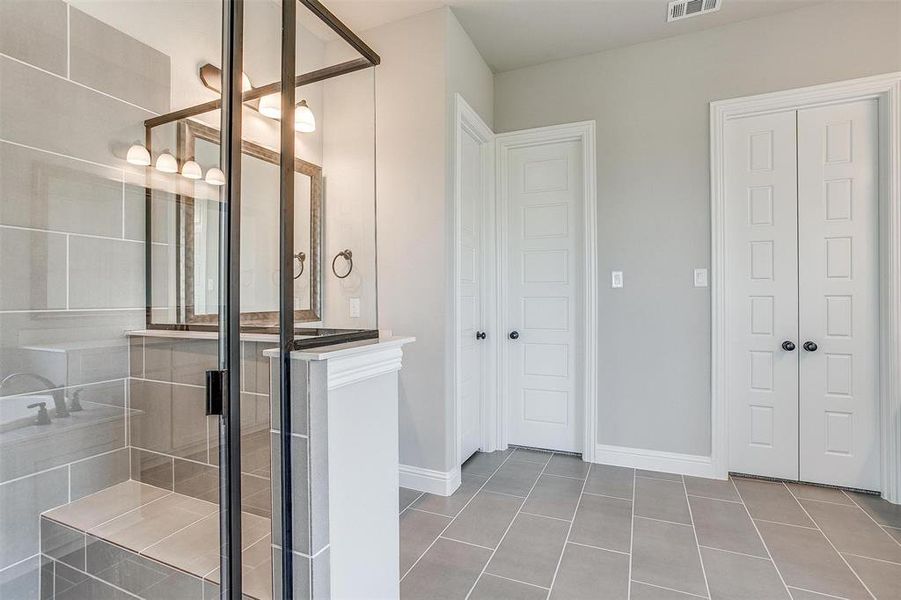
191	170
271	106
215	177
166	163
138	155
246	86
304	120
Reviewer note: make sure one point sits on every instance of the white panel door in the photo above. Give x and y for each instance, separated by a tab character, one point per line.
762	294
838	290
470	290
544	186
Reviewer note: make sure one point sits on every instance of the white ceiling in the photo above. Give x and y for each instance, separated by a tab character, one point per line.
517	33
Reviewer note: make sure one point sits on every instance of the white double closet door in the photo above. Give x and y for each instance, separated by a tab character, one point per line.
802	294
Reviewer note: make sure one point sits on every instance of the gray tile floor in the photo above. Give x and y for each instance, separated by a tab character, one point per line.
528	524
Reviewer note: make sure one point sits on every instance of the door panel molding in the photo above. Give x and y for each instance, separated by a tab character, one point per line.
886	89
584	134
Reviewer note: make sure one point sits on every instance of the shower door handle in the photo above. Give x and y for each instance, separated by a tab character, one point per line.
216	388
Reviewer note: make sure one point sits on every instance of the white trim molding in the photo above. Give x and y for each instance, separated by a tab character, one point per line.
345	370
583	132
441	483
886	89
355	361
654	460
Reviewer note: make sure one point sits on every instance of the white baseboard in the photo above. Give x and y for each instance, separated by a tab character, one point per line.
654	460
442	483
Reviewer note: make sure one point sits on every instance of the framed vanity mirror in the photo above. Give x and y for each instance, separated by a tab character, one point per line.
197	231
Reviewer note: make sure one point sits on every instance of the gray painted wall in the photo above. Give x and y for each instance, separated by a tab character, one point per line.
650	102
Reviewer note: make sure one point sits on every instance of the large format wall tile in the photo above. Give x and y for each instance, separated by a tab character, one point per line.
108	60
139	575
21	501
97	127
168	418
33	448
301	494
99	472
33	270
62	543
35	32
24	580
162	220
105	273
67	347
46	191
152	468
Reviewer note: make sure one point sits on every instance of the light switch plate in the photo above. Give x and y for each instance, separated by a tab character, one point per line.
354	308
616	279
700	277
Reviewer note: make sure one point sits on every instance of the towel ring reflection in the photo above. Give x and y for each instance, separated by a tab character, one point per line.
346	255
302	257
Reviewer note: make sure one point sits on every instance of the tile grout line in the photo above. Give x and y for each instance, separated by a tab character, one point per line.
705	546
569	530
540	587
794	587
441	533
882	560
879	525
611	497
510	526
663	587
531	514
760	537
631	535
694	533
94	577
77	83
712	498
464	542
407	507
598	547
663	521
826	537
785	524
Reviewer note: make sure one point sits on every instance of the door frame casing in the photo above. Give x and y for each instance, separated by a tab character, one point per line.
468	122
583	132
886	89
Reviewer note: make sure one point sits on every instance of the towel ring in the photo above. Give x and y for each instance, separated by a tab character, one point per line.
302	257
346	255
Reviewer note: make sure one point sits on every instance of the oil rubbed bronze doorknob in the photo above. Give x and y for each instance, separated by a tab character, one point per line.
514	335
481	335
810	346
788	345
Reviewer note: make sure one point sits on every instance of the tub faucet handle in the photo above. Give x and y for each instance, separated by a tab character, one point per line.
43	417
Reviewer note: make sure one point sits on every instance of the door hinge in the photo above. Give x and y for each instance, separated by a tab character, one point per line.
216	386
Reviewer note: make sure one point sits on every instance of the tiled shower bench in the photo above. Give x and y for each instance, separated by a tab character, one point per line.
135	540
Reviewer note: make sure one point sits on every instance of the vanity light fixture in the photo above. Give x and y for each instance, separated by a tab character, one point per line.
304	120
191	170
166	163
271	106
215	177
138	155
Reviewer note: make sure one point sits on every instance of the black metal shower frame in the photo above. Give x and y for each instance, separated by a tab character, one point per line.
225	383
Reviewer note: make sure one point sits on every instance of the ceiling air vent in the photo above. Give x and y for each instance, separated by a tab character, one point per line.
682	9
